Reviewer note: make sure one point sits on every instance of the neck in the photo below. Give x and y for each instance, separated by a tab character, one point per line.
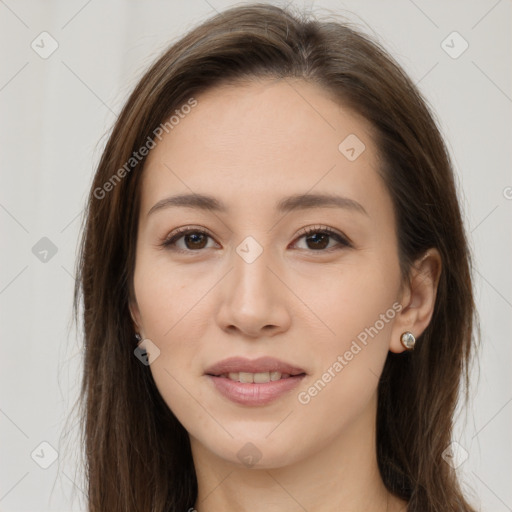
342	475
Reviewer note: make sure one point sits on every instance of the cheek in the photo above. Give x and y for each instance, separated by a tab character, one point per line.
166	295
174	315
357	307
348	302
348	363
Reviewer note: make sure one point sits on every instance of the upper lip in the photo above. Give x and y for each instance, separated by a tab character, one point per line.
259	365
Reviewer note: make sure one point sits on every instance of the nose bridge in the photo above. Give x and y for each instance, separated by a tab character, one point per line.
252	284
252	300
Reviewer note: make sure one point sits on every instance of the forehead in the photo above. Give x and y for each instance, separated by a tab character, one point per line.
252	142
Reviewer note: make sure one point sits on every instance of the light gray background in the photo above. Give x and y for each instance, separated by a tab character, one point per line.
55	116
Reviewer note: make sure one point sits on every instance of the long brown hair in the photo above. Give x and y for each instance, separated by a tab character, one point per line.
137	453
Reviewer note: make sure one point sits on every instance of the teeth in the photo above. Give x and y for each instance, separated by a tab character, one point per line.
246	377
258	378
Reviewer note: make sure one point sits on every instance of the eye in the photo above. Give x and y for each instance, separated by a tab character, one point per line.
194	239
319	238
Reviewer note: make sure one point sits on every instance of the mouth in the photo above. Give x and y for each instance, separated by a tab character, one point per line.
257	378
254	382
263	369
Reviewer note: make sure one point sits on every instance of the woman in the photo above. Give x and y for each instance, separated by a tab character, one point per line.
276	282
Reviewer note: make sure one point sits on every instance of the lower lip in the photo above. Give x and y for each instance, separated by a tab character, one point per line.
255	394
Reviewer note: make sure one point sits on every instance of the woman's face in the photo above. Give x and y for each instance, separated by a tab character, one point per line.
288	263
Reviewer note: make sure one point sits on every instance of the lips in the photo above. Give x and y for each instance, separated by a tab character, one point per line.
255	382
261	365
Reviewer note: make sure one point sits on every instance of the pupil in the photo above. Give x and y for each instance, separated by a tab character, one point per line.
318	238
318	241
196	239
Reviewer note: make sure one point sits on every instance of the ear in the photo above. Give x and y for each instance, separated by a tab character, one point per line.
135	314
418	298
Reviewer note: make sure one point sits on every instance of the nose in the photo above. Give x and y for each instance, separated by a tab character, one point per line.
254	303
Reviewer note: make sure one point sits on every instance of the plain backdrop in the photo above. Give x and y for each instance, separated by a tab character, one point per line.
56	111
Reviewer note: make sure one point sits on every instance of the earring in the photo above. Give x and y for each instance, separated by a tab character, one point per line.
138	337
408	340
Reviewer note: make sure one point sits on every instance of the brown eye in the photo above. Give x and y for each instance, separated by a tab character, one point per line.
195	240
187	240
318	241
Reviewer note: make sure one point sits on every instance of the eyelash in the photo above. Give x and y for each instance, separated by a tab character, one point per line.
169	243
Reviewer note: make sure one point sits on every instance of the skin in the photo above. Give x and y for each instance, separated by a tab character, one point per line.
249	146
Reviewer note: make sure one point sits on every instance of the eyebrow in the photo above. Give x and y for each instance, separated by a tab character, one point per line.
285	205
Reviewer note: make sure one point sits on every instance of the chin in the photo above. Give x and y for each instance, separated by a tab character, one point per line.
254	450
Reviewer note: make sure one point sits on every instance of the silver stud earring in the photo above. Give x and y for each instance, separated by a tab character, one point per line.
138	337
408	340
